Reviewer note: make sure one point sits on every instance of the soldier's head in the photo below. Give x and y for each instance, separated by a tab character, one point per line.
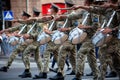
25	15
88	2
69	3
36	12
54	9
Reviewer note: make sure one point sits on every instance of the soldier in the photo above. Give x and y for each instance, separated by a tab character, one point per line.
51	47
34	46
20	48
66	48
110	47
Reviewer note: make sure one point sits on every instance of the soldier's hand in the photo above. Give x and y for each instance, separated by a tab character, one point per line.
63	29
17	35
81	26
107	31
26	36
48	31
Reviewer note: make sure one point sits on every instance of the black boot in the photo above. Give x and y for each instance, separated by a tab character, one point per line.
111	74
90	74
41	75
72	73
59	76
53	70
4	69
25	74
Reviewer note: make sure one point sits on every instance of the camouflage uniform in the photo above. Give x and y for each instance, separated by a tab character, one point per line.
67	49
34	46
20	48
110	47
51	48
86	49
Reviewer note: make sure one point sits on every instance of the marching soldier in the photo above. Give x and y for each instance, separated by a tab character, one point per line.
34	46
20	48
51	47
66	48
110	47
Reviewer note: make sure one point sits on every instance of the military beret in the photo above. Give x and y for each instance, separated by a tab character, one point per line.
26	14
55	7
36	11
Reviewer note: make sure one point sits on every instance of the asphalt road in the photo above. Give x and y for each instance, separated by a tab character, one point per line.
18	67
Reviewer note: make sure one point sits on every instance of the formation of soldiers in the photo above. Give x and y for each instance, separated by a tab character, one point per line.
98	19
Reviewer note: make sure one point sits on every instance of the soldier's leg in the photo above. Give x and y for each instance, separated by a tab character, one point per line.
38	60
80	61
103	62
72	58
19	49
110	64
26	61
92	61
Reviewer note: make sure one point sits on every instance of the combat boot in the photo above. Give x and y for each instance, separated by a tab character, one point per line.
59	76
4	69
111	74
72	73
25	74
42	75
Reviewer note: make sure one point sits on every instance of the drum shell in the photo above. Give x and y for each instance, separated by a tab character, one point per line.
59	37
78	36
45	40
14	40
106	39
79	39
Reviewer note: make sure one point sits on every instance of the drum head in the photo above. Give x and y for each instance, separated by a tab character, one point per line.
14	43
77	40
61	40
29	41
45	40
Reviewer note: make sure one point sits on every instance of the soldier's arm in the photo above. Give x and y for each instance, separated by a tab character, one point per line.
44	19
74	16
28	21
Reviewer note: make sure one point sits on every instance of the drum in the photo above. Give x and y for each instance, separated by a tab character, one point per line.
99	39
77	36
13	40
43	38
59	37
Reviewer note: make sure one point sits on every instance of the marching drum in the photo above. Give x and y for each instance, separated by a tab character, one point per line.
44	37
77	35
59	37
99	38
15	40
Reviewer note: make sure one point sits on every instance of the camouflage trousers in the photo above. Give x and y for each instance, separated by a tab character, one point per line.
86	50
34	47
109	52
19	49
51	48
66	49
